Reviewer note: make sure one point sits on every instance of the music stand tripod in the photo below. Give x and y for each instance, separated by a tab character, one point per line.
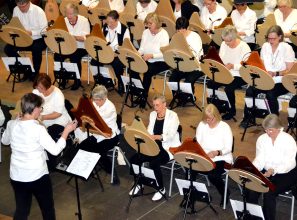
17	68
143	144
62	73
178	97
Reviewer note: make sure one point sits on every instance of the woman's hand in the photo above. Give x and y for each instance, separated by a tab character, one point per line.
213	153
147	56
269	172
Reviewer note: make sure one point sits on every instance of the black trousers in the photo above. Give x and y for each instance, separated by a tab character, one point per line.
90	144
237	83
43	192
74	58
154	163
215	176
36	48
190	77
271	96
283	182
153	69
117	66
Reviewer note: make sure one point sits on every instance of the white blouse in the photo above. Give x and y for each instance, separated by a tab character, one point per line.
277	61
143	12
279	156
28	140
234	55
112	36
151	44
217	138
215	19
109	115
195	43
55	102
288	24
245	23
81	28
117	5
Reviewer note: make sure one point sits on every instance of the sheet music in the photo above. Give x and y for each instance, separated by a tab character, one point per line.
291	112
255	210
104	71
136	82
83	163
149	173
201	187
11	61
70	67
220	94
260	103
184	87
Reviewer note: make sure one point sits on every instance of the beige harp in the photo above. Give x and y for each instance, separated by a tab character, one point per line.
262	29
197	26
217	36
99	12
167	18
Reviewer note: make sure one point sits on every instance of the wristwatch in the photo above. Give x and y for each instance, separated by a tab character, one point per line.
219	152
161	138
277	73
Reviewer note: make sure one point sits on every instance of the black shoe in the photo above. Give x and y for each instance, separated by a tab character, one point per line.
227	199
228	116
244	123
76	85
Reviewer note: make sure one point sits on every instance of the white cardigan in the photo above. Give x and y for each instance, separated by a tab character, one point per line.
170	134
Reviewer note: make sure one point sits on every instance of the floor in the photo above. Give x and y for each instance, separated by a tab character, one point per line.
112	203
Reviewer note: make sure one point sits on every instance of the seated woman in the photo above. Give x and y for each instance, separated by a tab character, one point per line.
28	170
195	44
183	8
99	143
144	7
275	158
153	38
216	139
232	52
163	126
278	58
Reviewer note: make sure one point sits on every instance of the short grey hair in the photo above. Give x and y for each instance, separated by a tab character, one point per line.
160	97
99	92
72	6
29	102
272	121
21	1
229	32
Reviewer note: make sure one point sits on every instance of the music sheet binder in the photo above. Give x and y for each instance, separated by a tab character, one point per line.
11	61
81	165
184	87
201	187
254	210
148	173
220	94
104	71
136	82
70	67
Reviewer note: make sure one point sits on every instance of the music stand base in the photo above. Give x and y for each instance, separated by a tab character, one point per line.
62	76
178	101
16	70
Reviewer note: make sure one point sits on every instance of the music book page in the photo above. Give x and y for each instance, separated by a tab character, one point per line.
201	187
260	103
136	82
184	87
11	61
220	94
255	210
83	163
291	112
104	71
70	67
149	173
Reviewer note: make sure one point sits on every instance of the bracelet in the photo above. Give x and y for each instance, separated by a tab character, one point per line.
277	73
161	138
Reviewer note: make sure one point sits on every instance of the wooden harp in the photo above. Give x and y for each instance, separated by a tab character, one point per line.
15	29
87	113
99	12
59	32
217	36
51	10
166	16
262	29
190	145
178	48
197	26
129	18
82	9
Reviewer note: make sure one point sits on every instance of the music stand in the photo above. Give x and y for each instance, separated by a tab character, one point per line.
195	162
197	26
97	47
257	79
133	61
62	43
290	83
217	72
15	34
180	61
141	142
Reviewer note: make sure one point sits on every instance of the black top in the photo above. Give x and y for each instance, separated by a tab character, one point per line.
158	128
187	9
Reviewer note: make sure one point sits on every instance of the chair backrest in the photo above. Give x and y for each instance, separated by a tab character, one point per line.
180	132
69	106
